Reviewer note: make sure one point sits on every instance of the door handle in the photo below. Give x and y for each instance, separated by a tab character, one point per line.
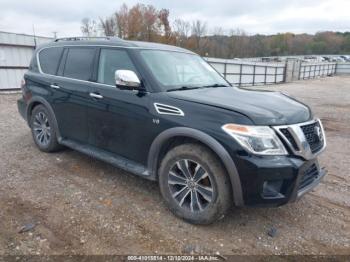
94	95
55	86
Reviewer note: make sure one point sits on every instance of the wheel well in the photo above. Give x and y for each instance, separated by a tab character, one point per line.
179	140
31	108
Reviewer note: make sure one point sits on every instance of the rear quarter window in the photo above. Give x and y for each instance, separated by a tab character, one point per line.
33	67
49	59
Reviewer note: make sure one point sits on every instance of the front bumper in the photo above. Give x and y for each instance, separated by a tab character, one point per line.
299	193
277	180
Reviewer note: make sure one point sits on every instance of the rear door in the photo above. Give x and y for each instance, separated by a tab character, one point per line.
73	87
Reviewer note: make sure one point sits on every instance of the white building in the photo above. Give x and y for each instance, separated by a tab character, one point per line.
15	53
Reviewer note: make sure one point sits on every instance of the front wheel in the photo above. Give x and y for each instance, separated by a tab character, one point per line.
194	184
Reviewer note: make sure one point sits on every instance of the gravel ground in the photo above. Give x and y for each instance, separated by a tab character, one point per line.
78	205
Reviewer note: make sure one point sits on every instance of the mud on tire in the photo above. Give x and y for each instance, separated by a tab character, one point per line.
43	129
194	184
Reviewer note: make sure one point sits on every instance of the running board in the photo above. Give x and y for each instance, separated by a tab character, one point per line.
113	159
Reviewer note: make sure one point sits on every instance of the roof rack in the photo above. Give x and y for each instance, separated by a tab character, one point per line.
82	38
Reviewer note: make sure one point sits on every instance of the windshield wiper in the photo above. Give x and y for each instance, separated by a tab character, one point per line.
183	88
216	85
195	87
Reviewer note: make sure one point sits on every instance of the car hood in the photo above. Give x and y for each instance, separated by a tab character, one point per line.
262	107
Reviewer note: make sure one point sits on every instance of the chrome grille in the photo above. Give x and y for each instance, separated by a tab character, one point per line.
304	139
315	140
290	138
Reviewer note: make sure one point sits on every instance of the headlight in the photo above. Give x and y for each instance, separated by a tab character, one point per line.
260	140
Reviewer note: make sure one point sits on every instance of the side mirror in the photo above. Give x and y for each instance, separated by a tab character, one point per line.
127	79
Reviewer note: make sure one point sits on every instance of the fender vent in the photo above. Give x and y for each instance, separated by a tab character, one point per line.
168	110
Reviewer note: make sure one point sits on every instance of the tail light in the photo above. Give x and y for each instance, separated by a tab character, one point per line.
23	85
25	92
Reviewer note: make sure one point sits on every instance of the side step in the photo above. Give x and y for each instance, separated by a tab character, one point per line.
113	159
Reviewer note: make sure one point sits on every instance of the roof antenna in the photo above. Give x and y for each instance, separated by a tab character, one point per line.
34	37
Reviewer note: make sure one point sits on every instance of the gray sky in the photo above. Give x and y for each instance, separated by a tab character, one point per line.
255	16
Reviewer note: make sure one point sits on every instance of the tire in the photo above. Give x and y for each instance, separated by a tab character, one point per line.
43	129
195	203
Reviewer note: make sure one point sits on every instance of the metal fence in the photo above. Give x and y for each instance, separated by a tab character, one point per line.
248	73
342	68
313	70
15	53
243	73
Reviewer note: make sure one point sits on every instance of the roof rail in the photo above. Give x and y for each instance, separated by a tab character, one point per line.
82	38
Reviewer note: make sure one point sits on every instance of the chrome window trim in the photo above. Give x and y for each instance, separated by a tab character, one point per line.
108	46
63	77
300	139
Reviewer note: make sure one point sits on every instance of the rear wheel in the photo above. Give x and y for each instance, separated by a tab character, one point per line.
194	184
43	129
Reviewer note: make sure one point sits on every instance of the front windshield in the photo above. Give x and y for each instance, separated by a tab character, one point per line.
181	70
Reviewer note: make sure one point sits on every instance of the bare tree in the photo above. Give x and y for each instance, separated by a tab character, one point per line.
109	25
88	27
216	46
238	43
198	30
150	16
163	16
181	29
218	31
122	20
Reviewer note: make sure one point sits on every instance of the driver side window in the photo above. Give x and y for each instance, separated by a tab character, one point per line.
110	61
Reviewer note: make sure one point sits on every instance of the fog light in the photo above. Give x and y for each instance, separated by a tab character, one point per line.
272	189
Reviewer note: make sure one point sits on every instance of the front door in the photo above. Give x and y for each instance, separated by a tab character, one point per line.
118	118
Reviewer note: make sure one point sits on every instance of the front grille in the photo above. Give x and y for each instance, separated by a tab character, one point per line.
303	139
289	137
314	138
309	176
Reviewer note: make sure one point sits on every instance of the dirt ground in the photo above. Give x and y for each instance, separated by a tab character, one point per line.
79	205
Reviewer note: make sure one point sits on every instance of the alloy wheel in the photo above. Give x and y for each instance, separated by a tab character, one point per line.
190	185
42	129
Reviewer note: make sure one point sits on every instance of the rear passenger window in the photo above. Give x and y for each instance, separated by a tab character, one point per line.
49	59
110	61
79	63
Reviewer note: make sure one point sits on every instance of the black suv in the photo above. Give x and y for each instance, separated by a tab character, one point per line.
163	113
